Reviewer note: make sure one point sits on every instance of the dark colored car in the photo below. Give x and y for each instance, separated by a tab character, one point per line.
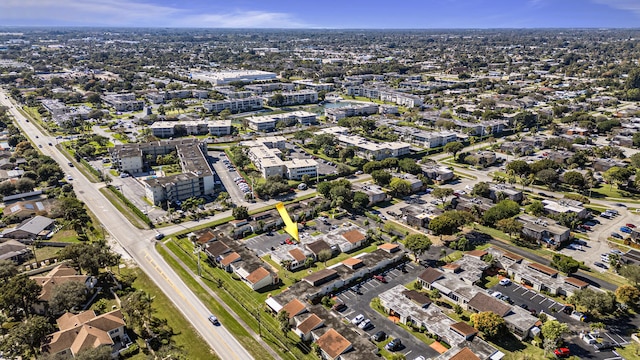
159	236
379	336
339	307
524	306
616	235
394	345
631	226
600	265
605	345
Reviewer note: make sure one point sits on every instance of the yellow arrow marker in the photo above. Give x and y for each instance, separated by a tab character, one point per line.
289	226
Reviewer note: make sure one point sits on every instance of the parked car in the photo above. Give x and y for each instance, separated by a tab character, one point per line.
420	358
394	345
626	230
379	336
364	324
589	339
616	235
574	246
214	320
605	345
562	352
339	307
600	265
380	278
497	294
606	215
505	282
617	252
358	319
631	226
524	306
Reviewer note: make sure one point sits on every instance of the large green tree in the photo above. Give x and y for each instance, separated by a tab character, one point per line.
553	330
417	244
510	226
489	323
66	296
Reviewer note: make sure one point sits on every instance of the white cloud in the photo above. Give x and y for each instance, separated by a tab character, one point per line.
629	5
132	13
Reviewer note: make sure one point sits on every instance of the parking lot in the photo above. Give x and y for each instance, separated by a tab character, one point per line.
369	289
227	177
540	303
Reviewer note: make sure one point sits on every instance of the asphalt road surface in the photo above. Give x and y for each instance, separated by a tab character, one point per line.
139	244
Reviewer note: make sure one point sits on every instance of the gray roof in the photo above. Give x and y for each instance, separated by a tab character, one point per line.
35	225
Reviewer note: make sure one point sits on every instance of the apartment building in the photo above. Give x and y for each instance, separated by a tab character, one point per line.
123	102
401	99
266	156
235	105
335	114
165	129
196	179
268	122
374	151
295	97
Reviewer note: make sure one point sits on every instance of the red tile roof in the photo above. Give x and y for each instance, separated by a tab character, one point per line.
257	275
297	254
294	307
465	354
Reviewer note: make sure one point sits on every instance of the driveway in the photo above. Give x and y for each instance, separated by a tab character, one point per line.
359	304
226	177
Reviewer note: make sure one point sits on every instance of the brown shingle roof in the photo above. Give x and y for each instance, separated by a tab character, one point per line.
354	236
352	262
512	256
206	237
294	307
430	275
317	246
464	329
297	254
477	253
49	283
333	343
417	297
321	276
83	331
309	324
217	248
229	259
577	282
389	247
483	302
465	354
543	269
257	275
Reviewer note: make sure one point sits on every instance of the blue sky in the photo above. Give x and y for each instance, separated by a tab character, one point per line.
374	14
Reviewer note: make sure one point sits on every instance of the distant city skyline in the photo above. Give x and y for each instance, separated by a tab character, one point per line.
331	14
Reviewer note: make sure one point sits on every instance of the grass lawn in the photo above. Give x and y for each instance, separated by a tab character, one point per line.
186	337
630	351
241	299
123	209
46	252
69	236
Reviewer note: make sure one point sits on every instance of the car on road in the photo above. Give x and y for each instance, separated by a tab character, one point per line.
505	282
40	146
605	345
159	236
379	336
562	352
357	320
631	226
364	324
50	144
394	345
626	230
616	235
214	320
600	265
380	278
70	164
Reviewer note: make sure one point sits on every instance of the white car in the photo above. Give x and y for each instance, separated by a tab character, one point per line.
496	294
363	325
420	358
357	320
505	282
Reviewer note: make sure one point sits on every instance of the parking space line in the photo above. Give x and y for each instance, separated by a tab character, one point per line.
553	303
543	300
411	266
533	296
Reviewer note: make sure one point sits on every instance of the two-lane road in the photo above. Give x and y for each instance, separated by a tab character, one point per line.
139	244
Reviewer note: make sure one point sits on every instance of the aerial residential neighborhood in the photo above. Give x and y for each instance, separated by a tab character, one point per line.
244	190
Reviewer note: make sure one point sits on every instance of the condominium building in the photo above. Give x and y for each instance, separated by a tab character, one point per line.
235	105
196	179
265	154
374	151
123	102
268	122
296	97
165	129
335	114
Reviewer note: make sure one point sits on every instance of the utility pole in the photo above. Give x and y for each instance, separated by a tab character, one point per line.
197	252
